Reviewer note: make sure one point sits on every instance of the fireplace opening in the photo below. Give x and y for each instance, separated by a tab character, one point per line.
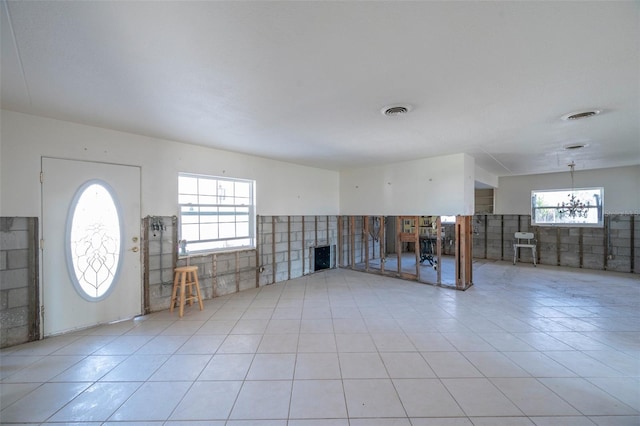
322	258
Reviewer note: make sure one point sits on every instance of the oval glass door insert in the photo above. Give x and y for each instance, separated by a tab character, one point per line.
94	240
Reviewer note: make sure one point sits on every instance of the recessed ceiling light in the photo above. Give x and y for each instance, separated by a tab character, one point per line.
577	115
394	110
572	146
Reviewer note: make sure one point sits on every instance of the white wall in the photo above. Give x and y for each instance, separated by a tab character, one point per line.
621	189
488	180
282	188
430	186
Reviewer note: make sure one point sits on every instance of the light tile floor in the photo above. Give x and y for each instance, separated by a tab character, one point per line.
524	346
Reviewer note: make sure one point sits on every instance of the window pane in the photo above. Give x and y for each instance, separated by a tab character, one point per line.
242	229
243	189
190	232
208	214
227	230
227	214
214	212
209	231
207	187
93	241
579	207
187	185
208	199
187	199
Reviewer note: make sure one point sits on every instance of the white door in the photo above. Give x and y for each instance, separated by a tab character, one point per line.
91	232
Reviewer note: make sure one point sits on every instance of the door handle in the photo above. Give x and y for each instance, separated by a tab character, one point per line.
134	249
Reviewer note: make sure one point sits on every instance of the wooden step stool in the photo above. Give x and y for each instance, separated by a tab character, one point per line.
186	277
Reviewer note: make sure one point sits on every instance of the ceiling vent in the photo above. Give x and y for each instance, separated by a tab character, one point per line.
395	110
573	146
580	115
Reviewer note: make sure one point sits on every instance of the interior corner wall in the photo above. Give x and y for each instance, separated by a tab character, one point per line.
485	178
429	186
621	193
281	188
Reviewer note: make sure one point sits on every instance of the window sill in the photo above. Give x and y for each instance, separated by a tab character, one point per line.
214	252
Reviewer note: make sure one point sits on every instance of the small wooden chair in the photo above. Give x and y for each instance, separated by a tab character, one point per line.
186	277
524	240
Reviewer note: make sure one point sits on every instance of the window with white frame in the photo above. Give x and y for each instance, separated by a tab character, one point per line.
568	207
447	219
216	213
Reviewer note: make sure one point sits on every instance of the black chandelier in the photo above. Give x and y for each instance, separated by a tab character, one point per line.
574	208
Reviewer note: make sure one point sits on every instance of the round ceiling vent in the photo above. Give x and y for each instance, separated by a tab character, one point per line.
577	115
394	110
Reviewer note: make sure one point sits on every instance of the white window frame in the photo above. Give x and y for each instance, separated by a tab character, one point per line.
553	216
222	207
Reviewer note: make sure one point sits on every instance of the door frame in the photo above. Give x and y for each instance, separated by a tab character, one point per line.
40	267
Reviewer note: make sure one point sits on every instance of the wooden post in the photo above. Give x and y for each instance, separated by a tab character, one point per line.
439	249
328	233
382	236
416	244
288	247
464	268
145	259
304	247
273	249
365	241
340	248
215	275
632	245
557	246
258	266
580	248
606	242
352	235
399	242
237	271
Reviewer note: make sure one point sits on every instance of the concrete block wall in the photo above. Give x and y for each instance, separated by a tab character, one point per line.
614	247
375	246
218	273
18	280
620	241
354	240
160	255
285	245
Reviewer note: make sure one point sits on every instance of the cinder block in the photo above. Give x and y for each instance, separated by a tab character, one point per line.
14	317
10	224
14	240
296	226
158	261
226	284
619	264
592	261
4	299
620	223
18	297
246	284
621	251
265	227
282	247
154	247
3	260
592	241
14	278
13	336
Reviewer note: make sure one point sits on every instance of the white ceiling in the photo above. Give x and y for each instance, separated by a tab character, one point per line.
305	82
